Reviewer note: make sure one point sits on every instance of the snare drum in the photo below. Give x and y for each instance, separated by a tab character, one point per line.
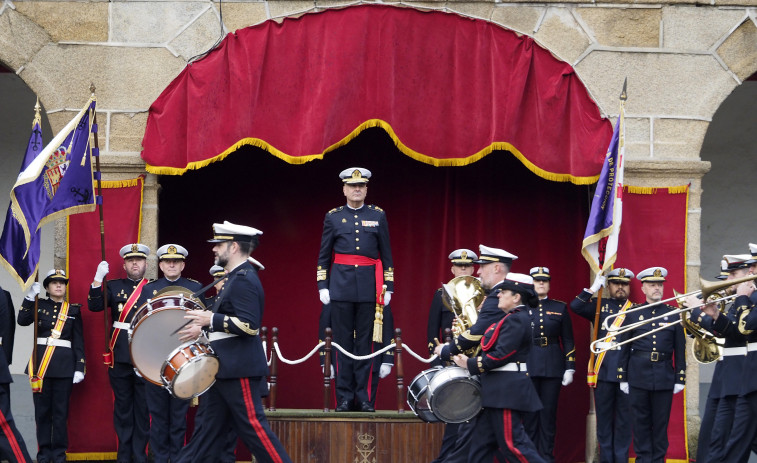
417	395
150	338
454	396
190	370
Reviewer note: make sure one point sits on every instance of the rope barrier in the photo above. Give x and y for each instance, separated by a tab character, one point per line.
345	352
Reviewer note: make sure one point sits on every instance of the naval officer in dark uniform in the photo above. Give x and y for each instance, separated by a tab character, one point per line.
60	340
233	325
354	263
612	407
12	445
551	362
507	393
130	417
652	368
168	415
493	266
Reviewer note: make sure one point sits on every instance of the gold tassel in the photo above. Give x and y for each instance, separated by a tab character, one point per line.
378	322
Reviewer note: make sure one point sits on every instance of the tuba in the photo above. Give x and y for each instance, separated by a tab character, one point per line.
463	295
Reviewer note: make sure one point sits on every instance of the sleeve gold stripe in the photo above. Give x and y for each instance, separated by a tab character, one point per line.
243	326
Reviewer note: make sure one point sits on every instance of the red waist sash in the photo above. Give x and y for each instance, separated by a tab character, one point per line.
363	261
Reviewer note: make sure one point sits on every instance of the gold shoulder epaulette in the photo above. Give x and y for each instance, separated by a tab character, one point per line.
191	279
374	207
336	209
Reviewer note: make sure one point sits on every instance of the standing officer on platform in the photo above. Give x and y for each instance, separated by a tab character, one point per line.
652	368
130	418
357	235
233	325
439	318
551	362
168	414
59	363
612	407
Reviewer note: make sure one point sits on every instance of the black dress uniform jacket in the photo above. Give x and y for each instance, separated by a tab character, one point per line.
553	349
64	361
439	318
363	232
584	306
7	332
727	377
118	292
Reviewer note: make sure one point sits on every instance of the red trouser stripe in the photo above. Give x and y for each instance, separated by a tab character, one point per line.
11	438
262	435
508	424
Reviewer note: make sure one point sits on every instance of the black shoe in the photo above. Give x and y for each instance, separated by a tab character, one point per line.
344	406
366	407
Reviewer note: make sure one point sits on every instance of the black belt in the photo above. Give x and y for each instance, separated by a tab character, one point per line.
544	341
651	356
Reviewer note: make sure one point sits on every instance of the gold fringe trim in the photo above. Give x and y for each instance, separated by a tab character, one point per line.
674	190
453	162
89	456
121	183
640	190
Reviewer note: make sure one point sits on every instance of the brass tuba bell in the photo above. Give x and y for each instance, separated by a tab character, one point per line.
463	295
705	346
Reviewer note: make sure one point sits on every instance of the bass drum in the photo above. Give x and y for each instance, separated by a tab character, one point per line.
151	337
454	396
417	395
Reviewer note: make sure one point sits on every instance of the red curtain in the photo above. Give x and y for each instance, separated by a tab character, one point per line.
448	89
90	419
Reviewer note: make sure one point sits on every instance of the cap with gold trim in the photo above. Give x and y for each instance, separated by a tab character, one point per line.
228	231
217	271
652	274
54	275
737	261
723	275
172	251
620	275
540	274
489	255
353	175
134	250
462	256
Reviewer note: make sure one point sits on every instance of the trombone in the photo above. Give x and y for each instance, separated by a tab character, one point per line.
708	288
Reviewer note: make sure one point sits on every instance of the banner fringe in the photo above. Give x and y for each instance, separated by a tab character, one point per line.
90	456
640	190
378	123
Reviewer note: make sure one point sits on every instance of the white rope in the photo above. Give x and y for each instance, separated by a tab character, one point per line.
343	351
295	362
428	360
362	357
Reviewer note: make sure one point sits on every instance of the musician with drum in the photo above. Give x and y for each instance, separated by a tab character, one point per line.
168	425
59	363
652	368
130	417
507	392
233	326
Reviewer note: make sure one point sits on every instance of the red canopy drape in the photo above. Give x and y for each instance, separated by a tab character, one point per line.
448	89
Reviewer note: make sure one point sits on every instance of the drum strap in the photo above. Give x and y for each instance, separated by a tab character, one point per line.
36	381
130	303
616	324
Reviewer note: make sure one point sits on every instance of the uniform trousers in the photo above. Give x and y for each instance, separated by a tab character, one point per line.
168	423
651	414
721	429
352	325
542	425
462	444
448	441
613	414
744	429
130	417
235	401
12	446
705	428
51	415
227	451
501	428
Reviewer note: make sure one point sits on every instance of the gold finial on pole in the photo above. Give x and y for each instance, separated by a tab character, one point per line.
92	87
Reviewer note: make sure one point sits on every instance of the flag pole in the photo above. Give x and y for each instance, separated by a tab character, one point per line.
34	381
107	355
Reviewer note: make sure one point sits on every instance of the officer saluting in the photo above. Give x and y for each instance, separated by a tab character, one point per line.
130	418
652	368
357	235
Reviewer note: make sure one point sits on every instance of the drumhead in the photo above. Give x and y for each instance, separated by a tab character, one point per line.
152	342
417	395
194	377
454	396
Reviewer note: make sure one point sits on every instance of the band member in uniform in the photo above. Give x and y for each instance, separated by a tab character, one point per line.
59	364
440	318
494	266
357	235
233	325
551	362
12	446
720	408
507	393
652	368
130	418
168	415
612	407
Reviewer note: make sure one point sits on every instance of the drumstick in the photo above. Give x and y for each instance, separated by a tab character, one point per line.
197	294
181	327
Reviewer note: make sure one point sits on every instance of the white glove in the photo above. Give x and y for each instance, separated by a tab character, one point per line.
386	368
324	295
78	377
387	297
599	281
677	388
332	370
567	377
32	292
624	387
102	270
